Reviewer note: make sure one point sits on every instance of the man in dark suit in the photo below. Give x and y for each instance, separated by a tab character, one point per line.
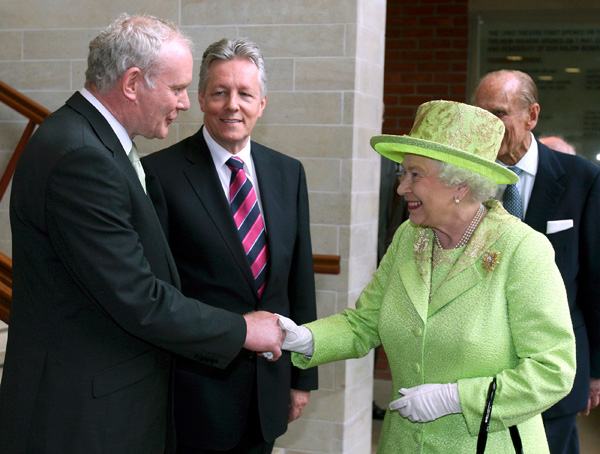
560	197
246	406
96	307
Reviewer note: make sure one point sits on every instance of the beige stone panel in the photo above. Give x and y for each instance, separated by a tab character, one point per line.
351	37
57	44
10	49
344	238
369	80
222	12
303	108
6	249
361	271
359	374
311	141
10	133
147	146
367	109
322	174
78	69
334	282
326	303
365	207
327	376
31	14
364	150
308	435
372	14
39	75
365	241
298	40
203	36
51	100
357	432
349	108
366	174
280	74
187	129
325	238
326	405
329	208
325	74
370	45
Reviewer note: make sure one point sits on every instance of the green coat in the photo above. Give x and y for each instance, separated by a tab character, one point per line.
508	319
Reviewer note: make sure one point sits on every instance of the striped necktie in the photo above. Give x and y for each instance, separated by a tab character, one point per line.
512	200
249	221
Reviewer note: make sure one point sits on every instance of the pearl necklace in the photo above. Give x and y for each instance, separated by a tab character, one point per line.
469	232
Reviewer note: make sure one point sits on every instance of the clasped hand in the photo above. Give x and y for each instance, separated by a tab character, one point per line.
270	333
427	402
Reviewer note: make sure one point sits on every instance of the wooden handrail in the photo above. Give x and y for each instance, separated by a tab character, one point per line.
323	264
5	286
22	104
326	264
33	112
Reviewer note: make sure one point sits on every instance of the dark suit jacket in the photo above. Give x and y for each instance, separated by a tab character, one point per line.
568	187
95	308
211	405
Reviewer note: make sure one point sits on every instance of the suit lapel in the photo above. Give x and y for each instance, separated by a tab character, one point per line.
547	190
469	264
105	133
270	180
203	178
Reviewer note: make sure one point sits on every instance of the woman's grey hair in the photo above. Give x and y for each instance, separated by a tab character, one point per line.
229	49
481	188
128	42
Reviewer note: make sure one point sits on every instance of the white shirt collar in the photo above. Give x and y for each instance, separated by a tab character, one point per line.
117	127
529	162
220	155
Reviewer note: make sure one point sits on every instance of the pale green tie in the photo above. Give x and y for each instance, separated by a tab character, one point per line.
134	157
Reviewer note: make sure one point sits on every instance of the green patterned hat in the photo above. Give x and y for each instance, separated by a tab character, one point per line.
463	135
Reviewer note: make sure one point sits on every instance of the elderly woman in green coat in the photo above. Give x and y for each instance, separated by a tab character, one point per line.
465	294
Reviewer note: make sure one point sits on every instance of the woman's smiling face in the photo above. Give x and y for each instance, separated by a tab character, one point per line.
430	202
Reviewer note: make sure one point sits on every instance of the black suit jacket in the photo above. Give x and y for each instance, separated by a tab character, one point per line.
95	306
211	405
568	187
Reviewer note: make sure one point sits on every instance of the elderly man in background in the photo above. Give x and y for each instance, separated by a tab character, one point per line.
558	144
558	195
96	308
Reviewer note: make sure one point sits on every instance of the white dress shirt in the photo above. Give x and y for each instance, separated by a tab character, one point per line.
528	164
117	127
220	156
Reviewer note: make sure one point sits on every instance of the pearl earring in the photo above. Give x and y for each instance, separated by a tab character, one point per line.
456	200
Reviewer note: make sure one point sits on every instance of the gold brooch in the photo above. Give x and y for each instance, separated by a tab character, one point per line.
490	260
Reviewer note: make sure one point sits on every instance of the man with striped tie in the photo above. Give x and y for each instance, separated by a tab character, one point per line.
236	217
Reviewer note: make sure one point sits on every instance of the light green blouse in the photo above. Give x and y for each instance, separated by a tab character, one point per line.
500	310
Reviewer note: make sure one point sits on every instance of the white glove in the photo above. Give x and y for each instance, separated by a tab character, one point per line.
297	338
427	402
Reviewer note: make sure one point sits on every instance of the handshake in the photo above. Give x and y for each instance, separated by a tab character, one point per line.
269	334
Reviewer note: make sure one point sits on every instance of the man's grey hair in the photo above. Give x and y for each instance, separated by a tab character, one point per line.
128	42
527	93
230	49
481	188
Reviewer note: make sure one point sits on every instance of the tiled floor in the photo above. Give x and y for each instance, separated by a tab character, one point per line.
589	427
